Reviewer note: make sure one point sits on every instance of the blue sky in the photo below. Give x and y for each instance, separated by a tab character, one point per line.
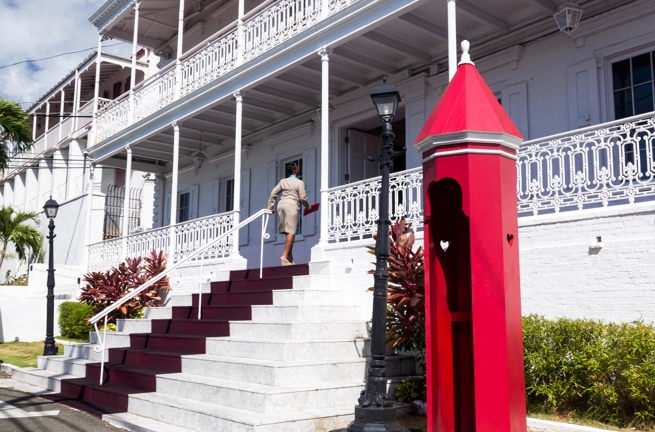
31	30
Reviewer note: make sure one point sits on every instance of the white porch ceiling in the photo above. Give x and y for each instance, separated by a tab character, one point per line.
411	42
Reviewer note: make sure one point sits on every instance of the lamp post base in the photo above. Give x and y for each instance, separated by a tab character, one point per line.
374	420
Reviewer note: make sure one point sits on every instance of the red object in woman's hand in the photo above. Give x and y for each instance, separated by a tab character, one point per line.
311	209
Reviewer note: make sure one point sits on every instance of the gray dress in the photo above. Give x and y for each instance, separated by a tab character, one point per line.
292	193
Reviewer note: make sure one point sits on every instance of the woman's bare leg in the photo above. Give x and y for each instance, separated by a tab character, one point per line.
288	247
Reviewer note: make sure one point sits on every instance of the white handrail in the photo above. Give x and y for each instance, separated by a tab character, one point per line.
105	312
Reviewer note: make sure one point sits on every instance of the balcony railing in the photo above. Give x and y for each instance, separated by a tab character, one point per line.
222	53
352	208
600	166
189	236
597	166
53	136
609	164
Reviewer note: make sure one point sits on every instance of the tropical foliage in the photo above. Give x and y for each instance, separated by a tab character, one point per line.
103	289
589	369
14	128
18	229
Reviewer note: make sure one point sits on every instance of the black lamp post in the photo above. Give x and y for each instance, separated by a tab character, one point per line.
49	347
375	413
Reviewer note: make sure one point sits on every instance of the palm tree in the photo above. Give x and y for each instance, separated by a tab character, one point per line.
15	229
15	128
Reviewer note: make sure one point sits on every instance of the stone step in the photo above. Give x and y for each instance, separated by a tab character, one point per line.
113	339
64	365
276	313
257	397
133	325
42	378
201	416
273	373
137	423
310	297
157	313
276	350
298	330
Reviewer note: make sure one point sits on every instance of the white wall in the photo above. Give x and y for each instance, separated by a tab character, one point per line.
562	276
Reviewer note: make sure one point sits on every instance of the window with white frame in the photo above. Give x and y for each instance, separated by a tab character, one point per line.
228	204
632	85
184	207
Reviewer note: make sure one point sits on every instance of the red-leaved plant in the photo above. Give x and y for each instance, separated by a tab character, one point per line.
405	298
103	289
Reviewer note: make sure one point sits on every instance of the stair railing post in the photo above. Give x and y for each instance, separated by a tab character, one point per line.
263	237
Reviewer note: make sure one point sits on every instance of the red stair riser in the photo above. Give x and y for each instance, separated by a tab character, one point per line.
160	351
213	312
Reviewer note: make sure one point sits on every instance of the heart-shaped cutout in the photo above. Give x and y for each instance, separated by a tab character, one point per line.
510	239
444	245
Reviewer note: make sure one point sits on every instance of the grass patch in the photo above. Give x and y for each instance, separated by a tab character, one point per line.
23	354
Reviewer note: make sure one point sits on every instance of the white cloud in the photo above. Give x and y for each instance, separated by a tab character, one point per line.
36	29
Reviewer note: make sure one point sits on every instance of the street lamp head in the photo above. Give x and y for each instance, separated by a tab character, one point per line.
51	206
385	98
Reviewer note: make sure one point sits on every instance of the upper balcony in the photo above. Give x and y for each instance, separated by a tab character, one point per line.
269	53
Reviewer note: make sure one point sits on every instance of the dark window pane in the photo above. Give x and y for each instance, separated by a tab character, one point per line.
643	98
622	104
641	70
621	74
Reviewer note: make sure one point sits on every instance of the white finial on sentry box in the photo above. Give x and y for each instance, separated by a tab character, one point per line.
466	58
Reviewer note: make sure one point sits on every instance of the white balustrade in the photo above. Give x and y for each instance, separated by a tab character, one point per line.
191	235
608	164
278	23
103	255
352	208
151	98
143	243
218	58
262	31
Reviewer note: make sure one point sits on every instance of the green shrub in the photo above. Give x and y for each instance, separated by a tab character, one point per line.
585	368
73	320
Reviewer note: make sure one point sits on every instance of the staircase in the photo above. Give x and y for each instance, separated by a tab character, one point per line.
278	354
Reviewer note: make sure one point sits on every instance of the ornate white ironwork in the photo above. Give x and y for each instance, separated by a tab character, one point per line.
352	208
103	255
612	163
261	32
191	235
277	24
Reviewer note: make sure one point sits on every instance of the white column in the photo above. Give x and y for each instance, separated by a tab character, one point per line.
96	92
135	36
180	47
76	100
126	199
237	169
47	124
325	142
32	189
44	180
452	39
61	116
173	209
89	213
59	168
34	123
241	42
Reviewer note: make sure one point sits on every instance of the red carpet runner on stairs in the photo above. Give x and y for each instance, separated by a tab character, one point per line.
134	369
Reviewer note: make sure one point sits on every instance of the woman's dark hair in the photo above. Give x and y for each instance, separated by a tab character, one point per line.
291	168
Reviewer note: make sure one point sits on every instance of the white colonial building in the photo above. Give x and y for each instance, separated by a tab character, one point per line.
219	96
